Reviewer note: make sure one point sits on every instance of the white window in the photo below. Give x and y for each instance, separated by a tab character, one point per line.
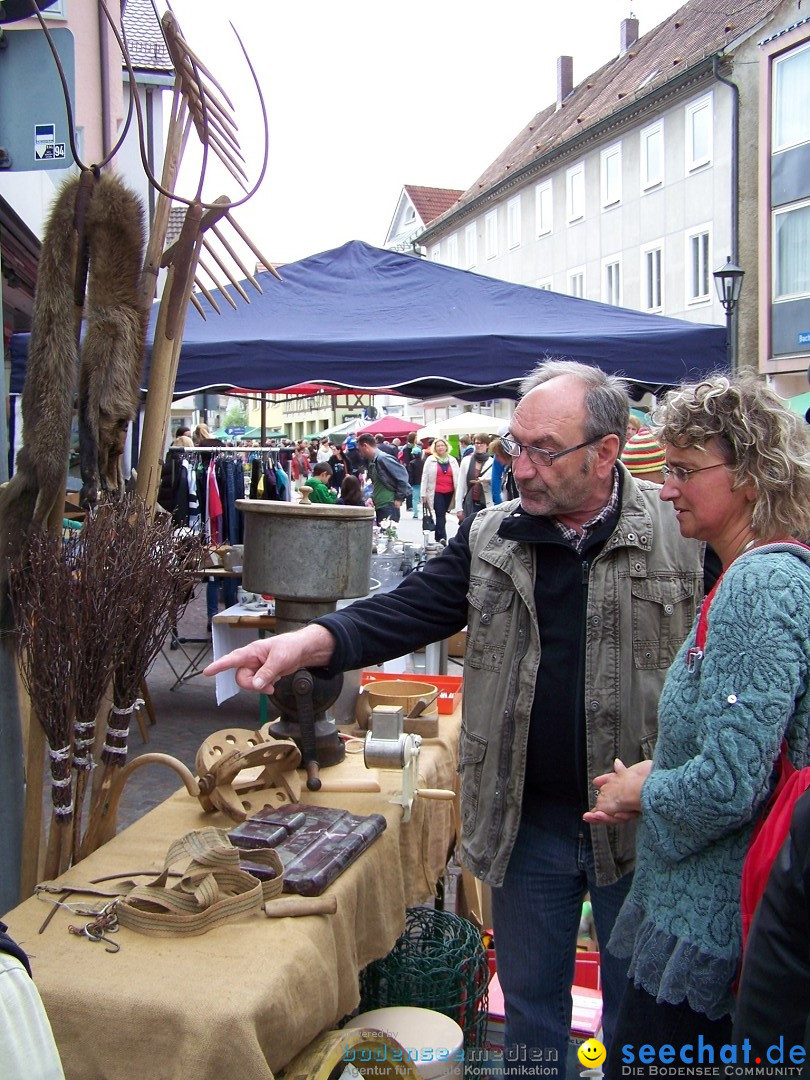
491	234
544	284
652	288
699	133
56	10
471	244
698	265
791	243
612	280
451	250
652	156
791	85
575	193
576	282
611	176
544	208
513	223
436	253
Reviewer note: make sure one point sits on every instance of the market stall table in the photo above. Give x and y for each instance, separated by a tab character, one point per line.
243	999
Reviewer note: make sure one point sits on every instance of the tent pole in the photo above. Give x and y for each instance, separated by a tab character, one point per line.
11	742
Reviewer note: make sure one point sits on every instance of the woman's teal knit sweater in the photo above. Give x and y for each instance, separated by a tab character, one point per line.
719	735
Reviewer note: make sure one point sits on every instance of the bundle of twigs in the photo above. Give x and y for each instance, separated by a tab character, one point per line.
89	612
111	542
158	589
42	589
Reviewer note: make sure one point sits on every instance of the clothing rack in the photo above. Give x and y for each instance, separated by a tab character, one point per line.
247	454
273	451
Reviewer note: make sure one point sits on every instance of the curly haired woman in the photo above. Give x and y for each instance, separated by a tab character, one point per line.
738	475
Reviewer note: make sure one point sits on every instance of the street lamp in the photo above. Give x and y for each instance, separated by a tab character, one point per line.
728	282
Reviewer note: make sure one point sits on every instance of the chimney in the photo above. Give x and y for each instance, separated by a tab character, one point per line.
565	78
628	35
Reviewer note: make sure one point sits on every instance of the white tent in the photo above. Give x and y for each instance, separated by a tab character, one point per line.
465	423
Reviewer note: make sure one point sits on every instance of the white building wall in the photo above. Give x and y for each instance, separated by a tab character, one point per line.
666	213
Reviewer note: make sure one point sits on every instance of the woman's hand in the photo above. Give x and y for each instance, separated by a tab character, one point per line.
619	798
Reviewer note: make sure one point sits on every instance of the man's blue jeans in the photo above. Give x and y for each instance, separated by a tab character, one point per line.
383	513
536	915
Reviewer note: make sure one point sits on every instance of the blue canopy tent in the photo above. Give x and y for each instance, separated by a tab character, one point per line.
365	318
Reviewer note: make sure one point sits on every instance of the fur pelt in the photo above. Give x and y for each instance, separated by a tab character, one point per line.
113	348
49	390
111	361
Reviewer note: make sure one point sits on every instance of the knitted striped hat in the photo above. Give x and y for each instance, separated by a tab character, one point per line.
643	453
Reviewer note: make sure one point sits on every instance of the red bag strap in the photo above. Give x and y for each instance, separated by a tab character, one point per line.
703	618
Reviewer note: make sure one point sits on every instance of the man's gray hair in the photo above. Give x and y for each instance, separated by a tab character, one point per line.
607	404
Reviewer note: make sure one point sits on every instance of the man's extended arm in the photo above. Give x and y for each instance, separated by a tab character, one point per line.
425	607
261	664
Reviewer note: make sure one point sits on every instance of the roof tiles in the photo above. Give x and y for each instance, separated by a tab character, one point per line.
697	30
430	202
147	49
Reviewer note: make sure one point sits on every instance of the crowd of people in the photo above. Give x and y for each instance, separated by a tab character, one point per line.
367	470
603	750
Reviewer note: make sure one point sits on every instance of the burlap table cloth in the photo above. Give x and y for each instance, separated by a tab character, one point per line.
245	998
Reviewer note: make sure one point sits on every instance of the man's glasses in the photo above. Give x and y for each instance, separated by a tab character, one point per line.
682	475
540	456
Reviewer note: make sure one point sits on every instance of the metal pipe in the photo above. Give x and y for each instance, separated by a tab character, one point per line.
732	317
104	78
735	156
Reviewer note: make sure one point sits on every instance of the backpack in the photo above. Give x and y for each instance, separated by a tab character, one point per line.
393	475
770	832
773	823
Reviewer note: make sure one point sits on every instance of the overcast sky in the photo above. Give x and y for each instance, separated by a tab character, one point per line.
364	96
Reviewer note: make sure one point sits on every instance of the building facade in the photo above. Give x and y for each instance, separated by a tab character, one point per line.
784	204
416	208
640	181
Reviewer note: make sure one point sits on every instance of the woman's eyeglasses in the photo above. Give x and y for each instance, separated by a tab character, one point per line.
682	475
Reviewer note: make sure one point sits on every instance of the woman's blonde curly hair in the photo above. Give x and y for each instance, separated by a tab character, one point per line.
765	442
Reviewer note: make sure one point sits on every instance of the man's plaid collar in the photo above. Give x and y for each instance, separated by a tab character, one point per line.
577	540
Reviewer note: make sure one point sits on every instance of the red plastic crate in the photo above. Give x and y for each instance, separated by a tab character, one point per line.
449	686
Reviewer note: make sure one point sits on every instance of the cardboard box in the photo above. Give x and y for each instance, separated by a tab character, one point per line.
457	644
586	1016
587	971
449	686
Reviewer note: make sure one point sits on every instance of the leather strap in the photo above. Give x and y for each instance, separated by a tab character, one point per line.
212	890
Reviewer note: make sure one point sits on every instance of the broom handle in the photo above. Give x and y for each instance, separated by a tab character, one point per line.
32	819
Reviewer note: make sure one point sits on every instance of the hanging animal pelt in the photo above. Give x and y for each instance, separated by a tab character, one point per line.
113	347
49	390
108	232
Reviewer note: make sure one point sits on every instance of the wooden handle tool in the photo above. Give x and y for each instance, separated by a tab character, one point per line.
349	785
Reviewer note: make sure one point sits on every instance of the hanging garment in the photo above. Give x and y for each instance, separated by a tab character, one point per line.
214	518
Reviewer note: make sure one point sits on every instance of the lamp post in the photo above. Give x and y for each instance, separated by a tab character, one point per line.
728	282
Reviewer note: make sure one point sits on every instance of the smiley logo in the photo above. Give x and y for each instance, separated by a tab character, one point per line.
591	1054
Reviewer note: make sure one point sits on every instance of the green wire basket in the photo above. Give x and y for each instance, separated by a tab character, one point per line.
439	962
